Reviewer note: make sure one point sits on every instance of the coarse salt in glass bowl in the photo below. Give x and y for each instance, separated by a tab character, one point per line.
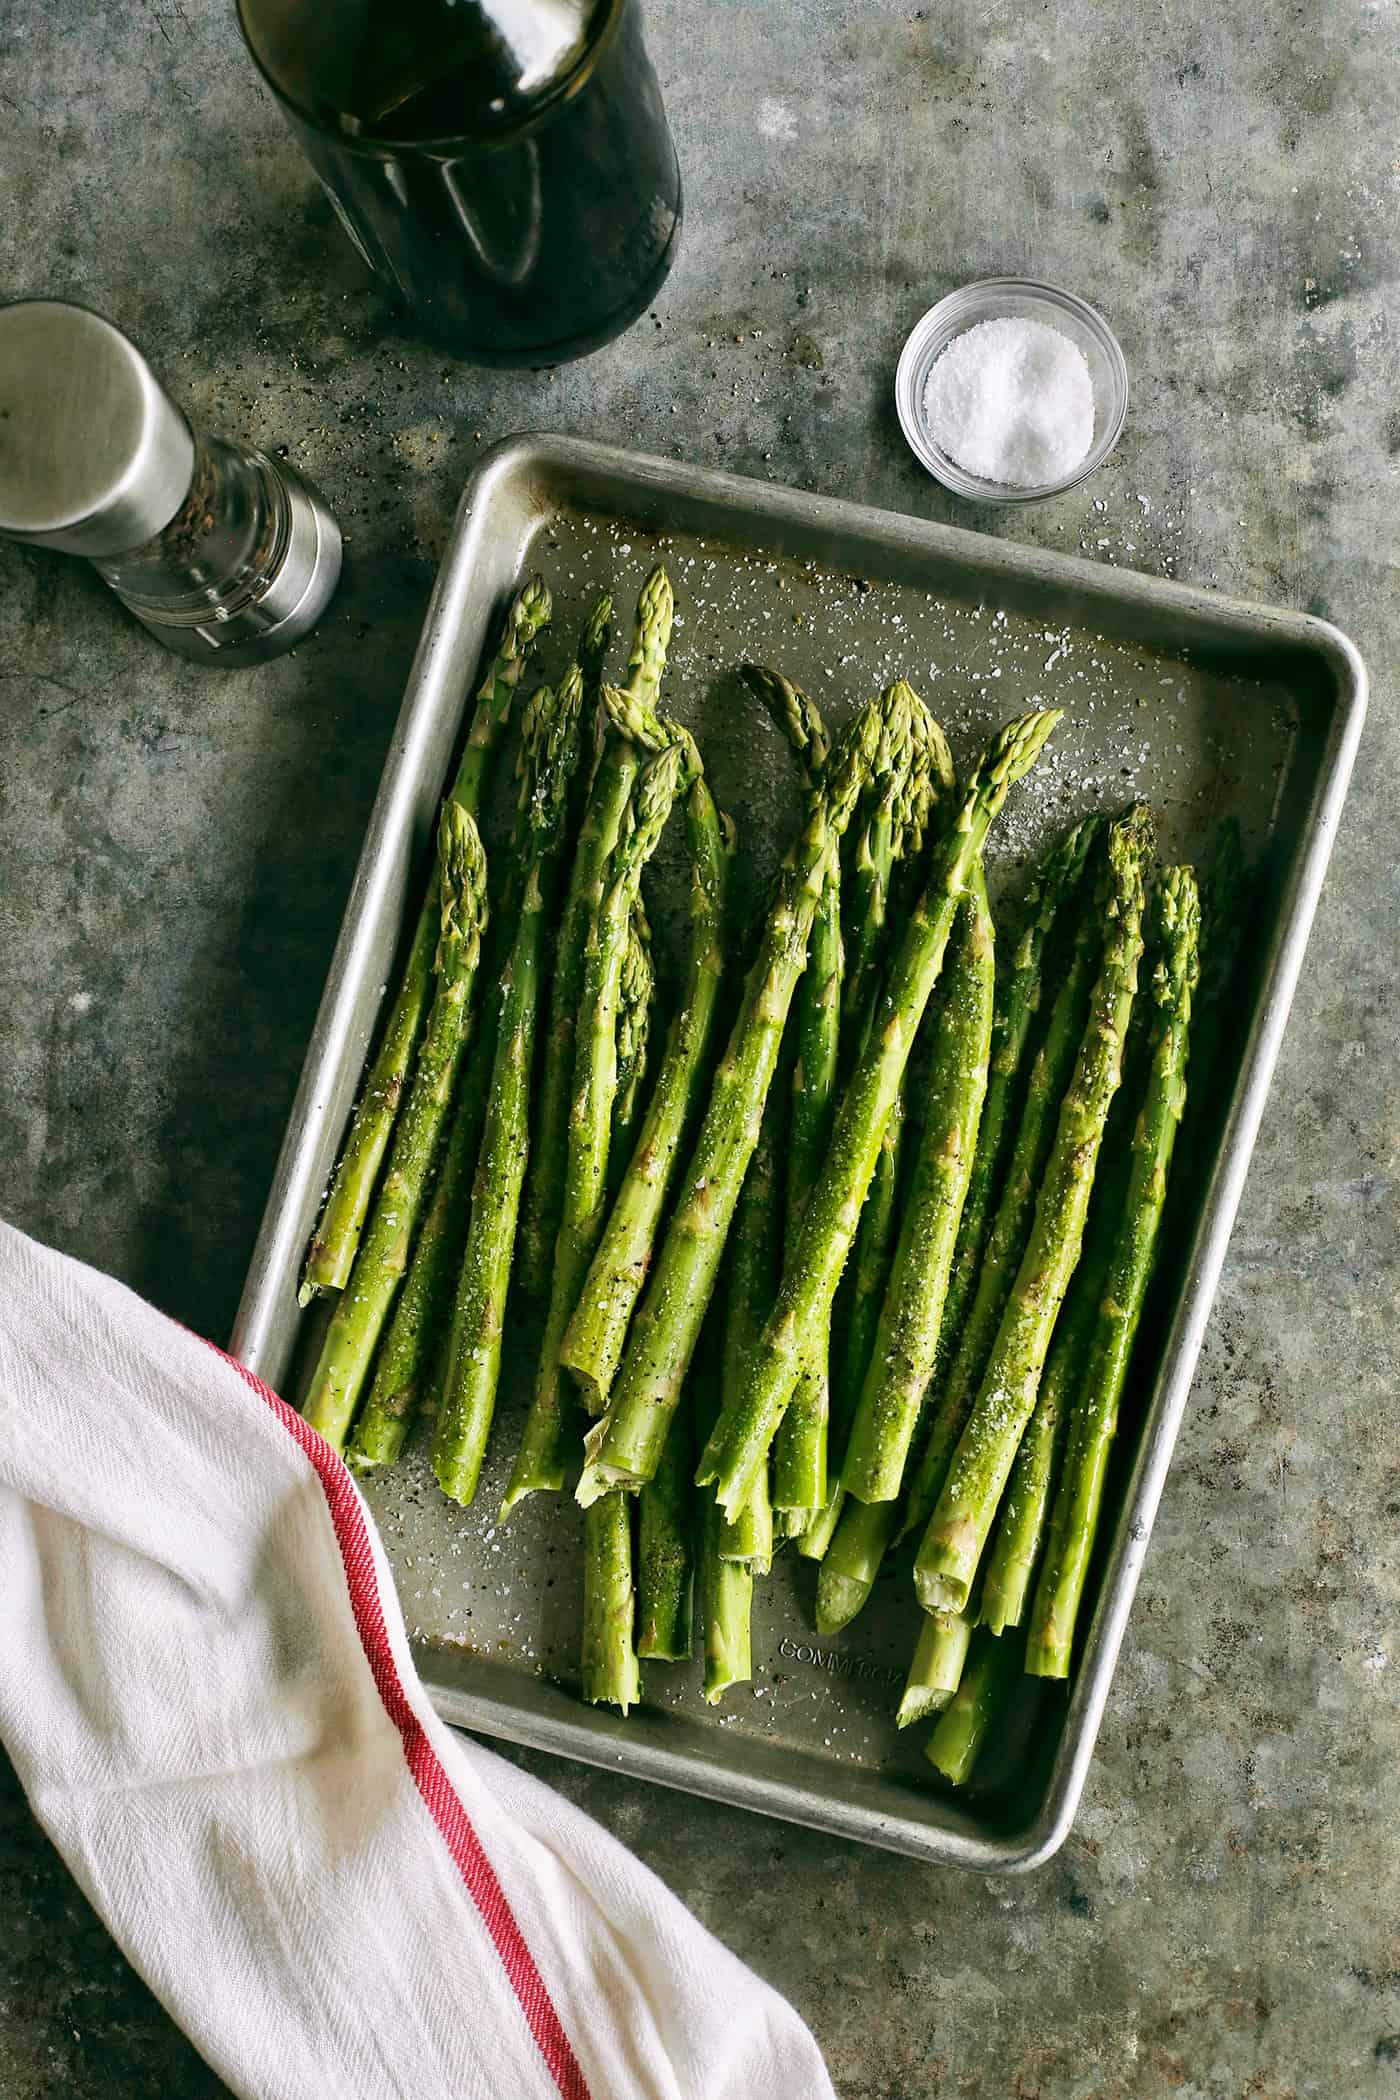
1011	299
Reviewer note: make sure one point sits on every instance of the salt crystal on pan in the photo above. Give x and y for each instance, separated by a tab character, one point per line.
1012	401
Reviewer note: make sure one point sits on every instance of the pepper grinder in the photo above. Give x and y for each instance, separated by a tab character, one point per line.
228	557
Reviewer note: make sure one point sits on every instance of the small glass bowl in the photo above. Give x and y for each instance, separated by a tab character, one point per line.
1002	299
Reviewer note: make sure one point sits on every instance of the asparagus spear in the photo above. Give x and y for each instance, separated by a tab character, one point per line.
593	1344
725	1584
412	1362
930	777
1024	1516
332	1251
957	1531
727	1590
751	1279
813	1542
1021	1523
540	1461
907	1336
872	862
1049	1076
611	1676
867	1272
799	1486
1094	1418
409	1365
852	1560
549	754
623	1448
989	1674
364	1306
593	646
933	780
936	1670
741	1439
665	1557
1053	889
608	799
636	988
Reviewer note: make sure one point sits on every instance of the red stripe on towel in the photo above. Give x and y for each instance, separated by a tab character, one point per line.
432	1782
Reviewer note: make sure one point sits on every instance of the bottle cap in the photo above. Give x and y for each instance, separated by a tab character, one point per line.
95	458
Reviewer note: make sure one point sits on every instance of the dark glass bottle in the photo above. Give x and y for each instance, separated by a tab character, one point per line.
504	166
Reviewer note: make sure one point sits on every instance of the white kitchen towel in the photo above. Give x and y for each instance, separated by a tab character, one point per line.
207	1691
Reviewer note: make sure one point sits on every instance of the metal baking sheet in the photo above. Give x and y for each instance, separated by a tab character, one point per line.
1202	706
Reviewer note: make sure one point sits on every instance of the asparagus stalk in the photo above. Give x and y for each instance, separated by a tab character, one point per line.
549	754
1021	1524
624	1447
930	777
799	1485
363	1308
739	1444
608	799
1094	1418
593	1344
727	1588
751	1279
1053	889
872	863
725	1584
866	1275
636	989
1049	1076
593	646
665	1555
332	1251
953	1544
989	1674
411	1367
610	1672
901	1361
540	1461
1024	1516
813	1542
936	1670
852	1560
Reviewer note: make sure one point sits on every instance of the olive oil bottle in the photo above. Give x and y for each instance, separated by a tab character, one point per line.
504	166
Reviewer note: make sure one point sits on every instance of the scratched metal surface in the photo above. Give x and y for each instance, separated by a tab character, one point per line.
1198	720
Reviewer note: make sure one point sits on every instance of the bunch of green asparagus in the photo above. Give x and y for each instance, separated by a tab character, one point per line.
857	1252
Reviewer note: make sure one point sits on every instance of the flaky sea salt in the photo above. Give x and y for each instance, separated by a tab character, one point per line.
1012	401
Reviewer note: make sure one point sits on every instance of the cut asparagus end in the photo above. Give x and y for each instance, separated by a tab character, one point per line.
937	1667
669	1646
757	1562
817	1537
956	1743
918	1702
728	1649
599	1478
1004	1602
458	1482
593	1394
610	1673
542	1481
839	1598
1047	1654
941	1592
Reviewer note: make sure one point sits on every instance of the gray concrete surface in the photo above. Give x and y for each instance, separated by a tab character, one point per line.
1225	1922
